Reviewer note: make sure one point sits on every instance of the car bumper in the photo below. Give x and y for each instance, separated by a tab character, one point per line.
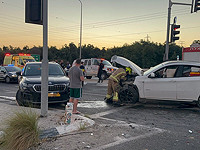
14	79
35	97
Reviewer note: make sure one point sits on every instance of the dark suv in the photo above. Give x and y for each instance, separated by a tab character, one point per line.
29	91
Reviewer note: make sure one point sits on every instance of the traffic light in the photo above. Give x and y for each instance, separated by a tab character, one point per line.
174	32
196	5
33	11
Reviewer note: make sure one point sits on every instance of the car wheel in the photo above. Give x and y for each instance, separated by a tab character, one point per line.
19	98
103	76
129	94
7	80
88	77
198	102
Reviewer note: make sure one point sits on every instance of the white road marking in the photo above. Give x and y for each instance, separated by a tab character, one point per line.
123	123
92	104
11	92
121	141
9	98
93	94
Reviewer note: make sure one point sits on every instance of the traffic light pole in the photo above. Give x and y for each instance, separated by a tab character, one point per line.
45	70
168	27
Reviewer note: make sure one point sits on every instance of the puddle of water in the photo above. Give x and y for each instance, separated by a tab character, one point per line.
92	104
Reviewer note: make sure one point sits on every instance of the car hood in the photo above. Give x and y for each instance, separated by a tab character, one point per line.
51	80
127	63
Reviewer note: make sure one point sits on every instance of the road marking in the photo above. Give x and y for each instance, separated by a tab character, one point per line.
8	98
125	124
11	92
92	104
93	94
121	141
98	115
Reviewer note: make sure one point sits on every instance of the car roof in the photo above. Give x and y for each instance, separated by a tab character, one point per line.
40	63
179	62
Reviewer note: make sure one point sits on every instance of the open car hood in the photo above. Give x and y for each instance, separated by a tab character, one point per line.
127	63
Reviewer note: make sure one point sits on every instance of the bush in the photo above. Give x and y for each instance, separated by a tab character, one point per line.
21	131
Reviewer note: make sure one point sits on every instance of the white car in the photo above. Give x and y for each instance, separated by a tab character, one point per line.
172	80
92	66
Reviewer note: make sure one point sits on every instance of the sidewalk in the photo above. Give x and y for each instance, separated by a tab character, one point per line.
52	125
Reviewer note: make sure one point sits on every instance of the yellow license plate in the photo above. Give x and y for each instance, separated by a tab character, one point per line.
53	94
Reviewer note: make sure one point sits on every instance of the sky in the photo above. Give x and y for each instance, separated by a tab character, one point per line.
106	23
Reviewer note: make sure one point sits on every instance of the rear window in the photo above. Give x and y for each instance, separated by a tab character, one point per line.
35	70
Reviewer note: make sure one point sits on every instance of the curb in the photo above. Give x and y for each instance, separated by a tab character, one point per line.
78	123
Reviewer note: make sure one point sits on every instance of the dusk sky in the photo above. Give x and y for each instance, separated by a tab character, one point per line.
106	23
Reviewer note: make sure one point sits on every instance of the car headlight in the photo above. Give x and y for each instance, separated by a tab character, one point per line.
67	84
14	75
24	86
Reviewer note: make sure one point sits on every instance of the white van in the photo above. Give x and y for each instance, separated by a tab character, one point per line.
92	66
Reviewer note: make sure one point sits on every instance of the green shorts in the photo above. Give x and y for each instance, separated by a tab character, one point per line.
76	93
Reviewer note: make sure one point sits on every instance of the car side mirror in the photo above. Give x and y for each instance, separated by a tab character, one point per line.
152	75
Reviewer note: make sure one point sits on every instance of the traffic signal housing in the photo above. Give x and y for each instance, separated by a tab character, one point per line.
33	11
174	32
196	5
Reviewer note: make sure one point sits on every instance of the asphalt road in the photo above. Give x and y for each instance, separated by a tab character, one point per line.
147	125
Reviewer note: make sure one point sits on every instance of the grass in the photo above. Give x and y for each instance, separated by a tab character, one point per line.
21	131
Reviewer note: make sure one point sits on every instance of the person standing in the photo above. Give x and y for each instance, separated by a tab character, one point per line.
82	67
62	64
76	77
100	71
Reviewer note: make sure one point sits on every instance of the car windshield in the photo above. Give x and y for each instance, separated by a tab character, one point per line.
151	69
107	63
35	70
29	60
12	69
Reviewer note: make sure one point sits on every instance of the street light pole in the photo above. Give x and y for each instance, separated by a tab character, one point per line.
81	27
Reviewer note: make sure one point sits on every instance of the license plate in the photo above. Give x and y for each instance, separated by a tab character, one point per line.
53	94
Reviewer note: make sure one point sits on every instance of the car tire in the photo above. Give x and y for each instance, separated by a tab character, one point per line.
88	77
7	79
19	98
103	76
198	102
129	94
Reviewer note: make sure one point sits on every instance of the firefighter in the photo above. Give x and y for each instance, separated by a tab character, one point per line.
114	85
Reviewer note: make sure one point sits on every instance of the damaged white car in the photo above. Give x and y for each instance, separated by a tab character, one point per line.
172	80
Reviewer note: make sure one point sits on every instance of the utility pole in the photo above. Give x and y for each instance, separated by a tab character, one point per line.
165	58
147	37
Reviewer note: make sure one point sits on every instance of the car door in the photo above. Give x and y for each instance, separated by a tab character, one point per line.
188	83
89	68
1	73
95	66
162	86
